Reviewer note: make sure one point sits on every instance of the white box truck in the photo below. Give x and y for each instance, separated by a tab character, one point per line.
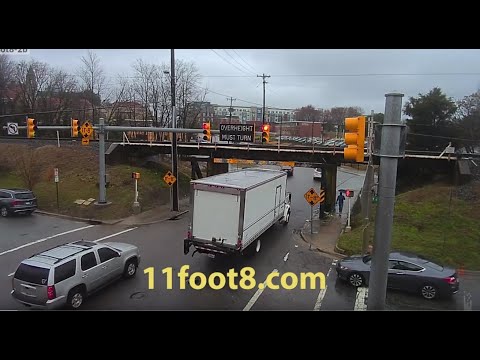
230	211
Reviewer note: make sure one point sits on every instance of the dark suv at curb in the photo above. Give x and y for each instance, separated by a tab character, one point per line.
17	201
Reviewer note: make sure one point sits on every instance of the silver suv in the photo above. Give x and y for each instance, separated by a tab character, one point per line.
66	274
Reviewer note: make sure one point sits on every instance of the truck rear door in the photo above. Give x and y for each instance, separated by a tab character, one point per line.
216	215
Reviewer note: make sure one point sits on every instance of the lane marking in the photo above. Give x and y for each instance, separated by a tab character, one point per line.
362	293
285	258
103	238
467	301
261	288
45	239
321	294
116	234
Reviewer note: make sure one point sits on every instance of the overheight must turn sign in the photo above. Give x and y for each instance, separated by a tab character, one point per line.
237	133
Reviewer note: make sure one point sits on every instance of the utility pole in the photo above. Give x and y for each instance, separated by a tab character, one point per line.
174	192
264	82
230	110
390	149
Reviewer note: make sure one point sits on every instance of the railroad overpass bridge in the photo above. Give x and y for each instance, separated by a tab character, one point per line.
327	158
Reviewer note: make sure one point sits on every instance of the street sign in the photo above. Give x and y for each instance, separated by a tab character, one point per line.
322	196
237	133
312	197
56	174
12	128
86	130
85	141
169	178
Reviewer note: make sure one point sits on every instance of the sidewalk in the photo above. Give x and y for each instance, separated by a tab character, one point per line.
325	233
152	216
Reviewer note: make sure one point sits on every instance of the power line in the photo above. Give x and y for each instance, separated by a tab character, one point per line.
243	66
228	61
376	74
241	58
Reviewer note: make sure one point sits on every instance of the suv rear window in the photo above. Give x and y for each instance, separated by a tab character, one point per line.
26	195
32	274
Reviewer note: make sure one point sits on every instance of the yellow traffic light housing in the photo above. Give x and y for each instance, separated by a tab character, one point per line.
265	133
355	139
206	131
31	128
75	127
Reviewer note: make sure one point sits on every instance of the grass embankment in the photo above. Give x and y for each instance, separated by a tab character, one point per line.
78	173
427	222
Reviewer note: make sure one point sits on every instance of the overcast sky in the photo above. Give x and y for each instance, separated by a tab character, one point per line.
299	88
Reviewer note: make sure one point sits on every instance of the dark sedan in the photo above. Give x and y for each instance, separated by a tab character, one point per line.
17	201
406	271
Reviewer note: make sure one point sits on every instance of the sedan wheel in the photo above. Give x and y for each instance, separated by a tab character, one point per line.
429	292
4	211
355	279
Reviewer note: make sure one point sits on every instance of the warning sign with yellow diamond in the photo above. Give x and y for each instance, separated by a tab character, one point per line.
312	197
169	178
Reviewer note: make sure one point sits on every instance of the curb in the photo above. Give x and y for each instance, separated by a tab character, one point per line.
172	217
90	221
320	250
108	222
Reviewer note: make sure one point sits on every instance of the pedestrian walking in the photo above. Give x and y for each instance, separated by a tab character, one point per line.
340	200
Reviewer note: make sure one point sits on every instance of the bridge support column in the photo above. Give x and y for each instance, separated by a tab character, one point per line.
329	174
196	171
216	168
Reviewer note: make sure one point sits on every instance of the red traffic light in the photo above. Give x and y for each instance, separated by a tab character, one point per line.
206	126
349	193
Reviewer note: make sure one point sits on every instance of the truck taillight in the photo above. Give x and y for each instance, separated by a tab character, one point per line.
239	242
51	292
189	232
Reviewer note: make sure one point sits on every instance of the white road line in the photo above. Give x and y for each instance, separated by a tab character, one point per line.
321	294
255	296
103	238
362	293
285	258
320	297
467	301
45	239
116	234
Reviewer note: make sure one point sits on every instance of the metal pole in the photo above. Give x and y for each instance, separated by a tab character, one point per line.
348	221
313	144
102	191
311	219
58	139
367	189
58	204
136	192
174	192
389	154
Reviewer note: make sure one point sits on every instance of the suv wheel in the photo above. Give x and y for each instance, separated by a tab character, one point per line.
75	299
4	211
130	269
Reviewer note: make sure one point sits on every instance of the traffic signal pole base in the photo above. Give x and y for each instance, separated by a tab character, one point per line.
96	203
137	209
348	229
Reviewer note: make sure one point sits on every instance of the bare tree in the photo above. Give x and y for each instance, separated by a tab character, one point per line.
144	84
7	68
116	97
307	113
28	168
187	88
92	78
32	78
58	94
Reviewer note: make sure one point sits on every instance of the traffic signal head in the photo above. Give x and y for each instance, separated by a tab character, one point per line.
206	131
349	193
355	139
265	133
31	127
75	127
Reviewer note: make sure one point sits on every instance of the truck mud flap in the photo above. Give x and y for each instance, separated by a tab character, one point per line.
186	246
